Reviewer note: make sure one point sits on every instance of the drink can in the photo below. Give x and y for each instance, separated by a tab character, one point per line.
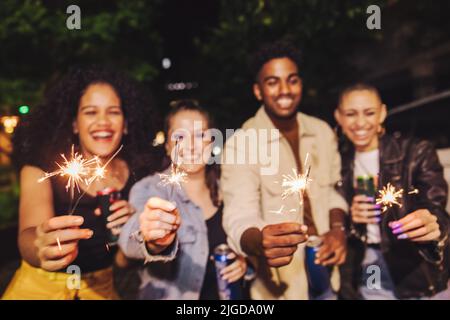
227	291
106	197
365	185
318	275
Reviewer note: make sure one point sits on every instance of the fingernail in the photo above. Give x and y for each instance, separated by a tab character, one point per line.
304	228
171	206
378	219
316	261
395	225
378	206
108	219
402	236
397	231
78	220
370	198
90	233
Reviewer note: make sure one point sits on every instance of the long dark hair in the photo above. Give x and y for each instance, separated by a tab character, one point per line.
212	171
48	131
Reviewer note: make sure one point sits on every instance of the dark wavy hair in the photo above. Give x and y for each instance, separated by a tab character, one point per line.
212	171
274	50
47	132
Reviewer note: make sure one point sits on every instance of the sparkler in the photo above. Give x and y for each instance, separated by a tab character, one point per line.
293	184
296	183
390	196
177	175
76	170
79	170
98	173
59	243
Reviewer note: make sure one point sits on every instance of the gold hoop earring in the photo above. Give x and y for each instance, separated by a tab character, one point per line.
381	130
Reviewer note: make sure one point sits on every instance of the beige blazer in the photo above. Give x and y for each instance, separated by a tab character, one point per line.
252	196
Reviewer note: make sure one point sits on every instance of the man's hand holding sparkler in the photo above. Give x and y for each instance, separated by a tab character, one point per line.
57	241
280	241
364	210
419	226
159	223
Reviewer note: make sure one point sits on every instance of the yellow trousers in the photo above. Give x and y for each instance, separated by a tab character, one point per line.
30	283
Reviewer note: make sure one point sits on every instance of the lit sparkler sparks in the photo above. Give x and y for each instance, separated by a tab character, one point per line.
296	183
177	175
76	170
390	196
79	170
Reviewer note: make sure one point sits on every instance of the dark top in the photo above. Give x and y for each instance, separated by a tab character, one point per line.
216	236
93	254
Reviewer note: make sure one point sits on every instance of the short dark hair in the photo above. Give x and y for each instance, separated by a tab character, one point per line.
358	86
274	50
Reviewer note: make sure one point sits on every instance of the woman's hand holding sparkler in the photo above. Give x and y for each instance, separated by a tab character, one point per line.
280	241
364	210
419	226
57	241
122	211
159	223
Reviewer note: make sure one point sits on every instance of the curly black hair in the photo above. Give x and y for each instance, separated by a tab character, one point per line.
47	132
273	50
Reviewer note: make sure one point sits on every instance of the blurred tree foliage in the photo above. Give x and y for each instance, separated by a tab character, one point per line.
9	195
323	31
37	46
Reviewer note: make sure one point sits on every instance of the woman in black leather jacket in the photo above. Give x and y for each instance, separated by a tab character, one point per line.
397	252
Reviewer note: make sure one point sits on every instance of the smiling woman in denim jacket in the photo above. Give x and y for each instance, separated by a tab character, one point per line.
180	246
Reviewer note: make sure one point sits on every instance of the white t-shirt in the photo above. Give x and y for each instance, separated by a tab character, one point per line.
367	164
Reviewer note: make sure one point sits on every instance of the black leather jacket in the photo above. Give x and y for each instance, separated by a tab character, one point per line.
417	270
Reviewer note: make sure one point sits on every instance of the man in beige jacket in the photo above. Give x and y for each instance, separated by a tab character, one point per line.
261	224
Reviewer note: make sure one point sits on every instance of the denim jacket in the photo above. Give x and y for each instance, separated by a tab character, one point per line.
179	274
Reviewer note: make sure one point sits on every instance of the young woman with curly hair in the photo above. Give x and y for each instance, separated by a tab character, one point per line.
96	110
